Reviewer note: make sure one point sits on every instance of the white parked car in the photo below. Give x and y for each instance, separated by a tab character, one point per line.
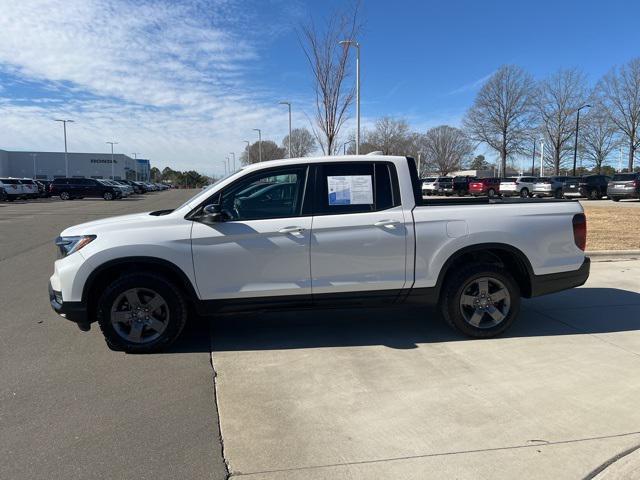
429	186
30	188
517	186
14	188
326	231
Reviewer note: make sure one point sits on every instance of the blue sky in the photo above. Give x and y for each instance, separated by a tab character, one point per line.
186	82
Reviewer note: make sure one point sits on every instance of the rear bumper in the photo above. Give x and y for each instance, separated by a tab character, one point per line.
623	193
73	311
556	282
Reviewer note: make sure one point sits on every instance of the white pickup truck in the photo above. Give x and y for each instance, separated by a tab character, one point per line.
328	231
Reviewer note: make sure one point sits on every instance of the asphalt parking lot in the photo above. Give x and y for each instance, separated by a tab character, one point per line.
323	395
69	407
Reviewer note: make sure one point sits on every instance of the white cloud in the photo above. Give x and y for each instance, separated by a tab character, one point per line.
164	78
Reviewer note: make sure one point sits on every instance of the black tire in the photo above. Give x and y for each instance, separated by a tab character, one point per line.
172	314
107	196
491	193
615	199
558	193
65	196
593	195
524	193
460	281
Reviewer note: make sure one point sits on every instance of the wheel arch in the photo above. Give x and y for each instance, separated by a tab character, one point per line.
112	269
502	254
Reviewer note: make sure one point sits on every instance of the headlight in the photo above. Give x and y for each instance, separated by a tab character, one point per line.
69	245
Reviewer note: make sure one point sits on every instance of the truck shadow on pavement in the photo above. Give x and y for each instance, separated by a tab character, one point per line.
574	312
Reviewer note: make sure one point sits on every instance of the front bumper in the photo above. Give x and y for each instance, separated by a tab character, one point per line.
556	282
73	311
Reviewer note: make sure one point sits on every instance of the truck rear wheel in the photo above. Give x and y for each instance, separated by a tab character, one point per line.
141	313
480	300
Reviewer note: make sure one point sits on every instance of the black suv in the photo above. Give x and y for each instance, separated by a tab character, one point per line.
461	184
593	187
70	188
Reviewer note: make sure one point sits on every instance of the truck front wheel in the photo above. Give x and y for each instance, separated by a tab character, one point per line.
141	313
480	300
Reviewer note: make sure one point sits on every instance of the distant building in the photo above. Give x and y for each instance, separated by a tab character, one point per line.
50	165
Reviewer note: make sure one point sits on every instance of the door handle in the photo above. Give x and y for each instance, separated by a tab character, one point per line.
291	230
386	223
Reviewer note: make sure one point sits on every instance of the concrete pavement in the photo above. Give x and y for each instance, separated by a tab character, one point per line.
69	407
396	394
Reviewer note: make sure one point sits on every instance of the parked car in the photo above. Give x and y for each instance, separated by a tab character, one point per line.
443	186
3	194
29	188
461	184
428	186
550	186
593	187
152	187
70	188
13	188
517	186
140	275
624	185
126	188
489	186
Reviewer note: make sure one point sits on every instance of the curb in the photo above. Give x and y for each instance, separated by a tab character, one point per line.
613	253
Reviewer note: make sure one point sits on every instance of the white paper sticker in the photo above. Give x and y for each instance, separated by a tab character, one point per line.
350	190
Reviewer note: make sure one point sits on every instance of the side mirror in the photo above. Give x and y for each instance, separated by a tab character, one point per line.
213	213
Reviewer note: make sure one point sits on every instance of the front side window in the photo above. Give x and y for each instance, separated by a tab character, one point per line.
270	194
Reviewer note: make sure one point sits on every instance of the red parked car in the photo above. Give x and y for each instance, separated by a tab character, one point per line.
484	186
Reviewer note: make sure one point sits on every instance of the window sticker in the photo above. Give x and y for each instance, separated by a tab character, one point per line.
350	190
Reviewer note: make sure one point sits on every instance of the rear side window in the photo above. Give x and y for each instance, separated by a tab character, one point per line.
356	188
10	181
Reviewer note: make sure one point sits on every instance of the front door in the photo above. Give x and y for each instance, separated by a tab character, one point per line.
359	233
261	248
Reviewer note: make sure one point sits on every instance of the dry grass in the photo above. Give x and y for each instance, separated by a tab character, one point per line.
612	228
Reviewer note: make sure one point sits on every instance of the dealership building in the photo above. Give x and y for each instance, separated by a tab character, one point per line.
50	165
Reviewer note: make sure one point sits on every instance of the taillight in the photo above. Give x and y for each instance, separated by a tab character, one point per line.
580	230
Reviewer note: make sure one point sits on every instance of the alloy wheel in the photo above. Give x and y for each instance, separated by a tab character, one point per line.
485	302
139	315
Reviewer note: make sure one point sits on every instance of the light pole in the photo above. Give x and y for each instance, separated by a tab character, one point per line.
575	145
259	144
112	164
228	164
234	160
533	159
225	167
135	157
354	43
542	157
35	170
620	161
344	146
66	158
289	105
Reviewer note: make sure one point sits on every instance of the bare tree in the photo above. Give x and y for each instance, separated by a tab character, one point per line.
558	99
270	151
302	142
619	92
501	113
598	136
329	64
446	149
391	136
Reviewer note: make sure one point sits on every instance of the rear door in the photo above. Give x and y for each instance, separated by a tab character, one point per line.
359	233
